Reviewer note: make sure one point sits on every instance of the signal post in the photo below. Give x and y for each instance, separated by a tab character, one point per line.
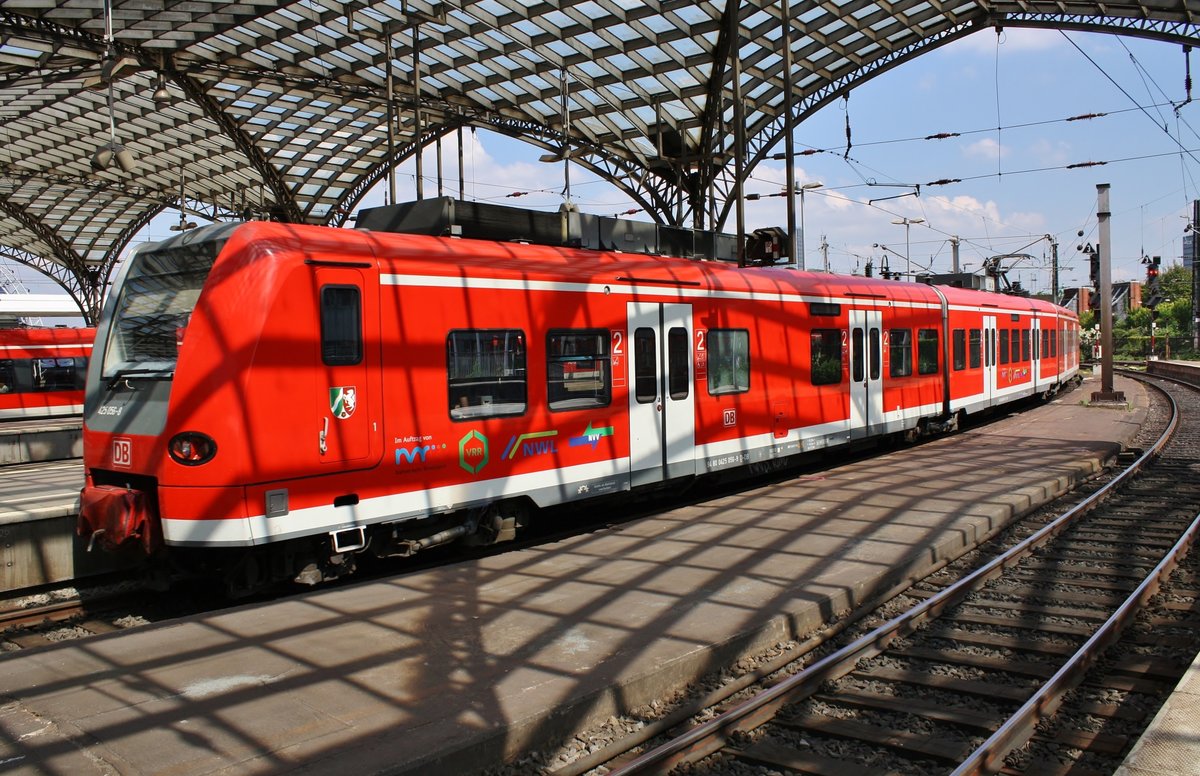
1106	392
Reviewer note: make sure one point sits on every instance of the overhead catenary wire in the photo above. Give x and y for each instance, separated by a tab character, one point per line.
1113	81
951	134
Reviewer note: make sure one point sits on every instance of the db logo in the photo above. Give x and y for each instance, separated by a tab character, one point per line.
122	452
730	417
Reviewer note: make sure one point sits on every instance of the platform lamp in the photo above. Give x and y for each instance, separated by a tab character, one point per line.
803	187
907	222
110	69
111	150
162	97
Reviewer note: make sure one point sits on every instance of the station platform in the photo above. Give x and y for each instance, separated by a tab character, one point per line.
460	667
38	505
1170	746
1183	370
29	441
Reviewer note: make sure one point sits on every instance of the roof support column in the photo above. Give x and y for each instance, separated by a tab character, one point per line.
789	143
739	135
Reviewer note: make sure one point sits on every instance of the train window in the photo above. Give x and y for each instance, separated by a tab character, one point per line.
876	353
856	356
826	356
900	352
824	308
959	345
927	351
578	374
1024	344
973	348
728	361
341	326
159	294
8	376
679	359
1004	346
645	366
1016	346
59	374
1046	339
486	373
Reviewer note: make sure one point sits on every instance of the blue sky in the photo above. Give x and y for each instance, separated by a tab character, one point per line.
1026	82
1023	81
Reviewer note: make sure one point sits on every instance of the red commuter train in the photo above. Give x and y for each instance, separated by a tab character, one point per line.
42	371
273	399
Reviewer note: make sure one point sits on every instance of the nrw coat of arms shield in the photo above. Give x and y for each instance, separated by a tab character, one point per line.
342	401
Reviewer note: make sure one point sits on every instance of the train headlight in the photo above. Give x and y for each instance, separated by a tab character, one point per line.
191	448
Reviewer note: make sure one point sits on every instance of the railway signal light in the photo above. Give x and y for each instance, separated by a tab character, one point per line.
1153	297
1093	258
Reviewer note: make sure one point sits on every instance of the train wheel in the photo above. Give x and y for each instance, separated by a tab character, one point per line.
499	523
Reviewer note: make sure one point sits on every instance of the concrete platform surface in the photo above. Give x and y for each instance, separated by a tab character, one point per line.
32	441
458	667
1171	745
38	503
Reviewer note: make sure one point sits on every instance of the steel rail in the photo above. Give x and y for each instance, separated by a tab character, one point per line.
989	757
34	615
709	737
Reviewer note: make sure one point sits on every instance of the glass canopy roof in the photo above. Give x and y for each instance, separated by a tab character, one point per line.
112	110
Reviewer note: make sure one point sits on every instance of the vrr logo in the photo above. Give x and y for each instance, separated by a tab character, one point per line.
473	452
122	452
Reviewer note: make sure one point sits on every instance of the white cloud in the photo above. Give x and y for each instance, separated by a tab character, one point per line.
1012	40
985	148
1051	153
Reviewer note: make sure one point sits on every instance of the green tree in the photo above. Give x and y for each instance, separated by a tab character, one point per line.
1175	284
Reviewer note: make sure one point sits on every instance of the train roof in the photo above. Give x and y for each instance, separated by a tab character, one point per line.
448	256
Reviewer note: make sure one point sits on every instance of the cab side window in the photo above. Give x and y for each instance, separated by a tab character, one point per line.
341	326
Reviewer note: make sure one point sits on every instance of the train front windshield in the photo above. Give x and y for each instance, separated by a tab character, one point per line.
152	311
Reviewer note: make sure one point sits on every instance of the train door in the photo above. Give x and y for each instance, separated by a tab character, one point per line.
662	407
1035	364
347	362
989	356
866	373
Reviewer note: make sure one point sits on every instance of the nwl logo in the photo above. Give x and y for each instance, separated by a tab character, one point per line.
538	448
122	452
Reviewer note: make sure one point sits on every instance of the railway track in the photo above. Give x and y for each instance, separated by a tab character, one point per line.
968	680
34	621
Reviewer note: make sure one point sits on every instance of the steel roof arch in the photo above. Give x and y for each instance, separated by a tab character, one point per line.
280	110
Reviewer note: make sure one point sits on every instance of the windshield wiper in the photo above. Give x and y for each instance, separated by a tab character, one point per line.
140	372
